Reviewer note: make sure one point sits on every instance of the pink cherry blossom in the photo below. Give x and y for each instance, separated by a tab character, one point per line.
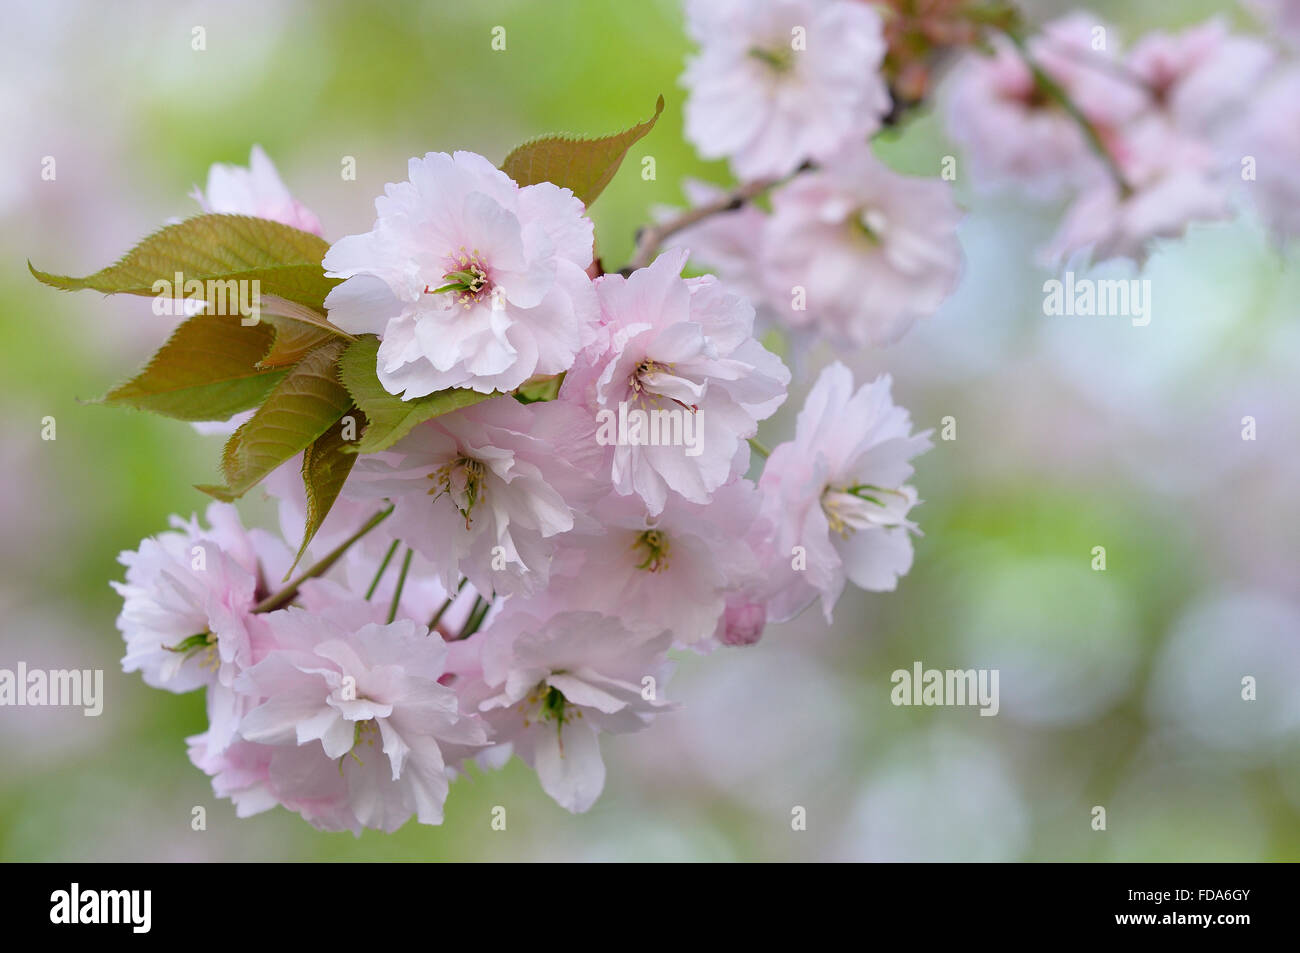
470	280
187	609
838	495
1083	54
681	353
1262	151
240	772
1013	135
745	616
482	491
1202	75
1018	132
778	82
873	250
356	716
257	191
187	599
673	570
563	680
1171	181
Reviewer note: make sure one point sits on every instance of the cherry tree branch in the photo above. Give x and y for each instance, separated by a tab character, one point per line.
649	238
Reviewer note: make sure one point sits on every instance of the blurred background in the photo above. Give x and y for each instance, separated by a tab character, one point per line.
1119	688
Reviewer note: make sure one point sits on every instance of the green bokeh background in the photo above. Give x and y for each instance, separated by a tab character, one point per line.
134	116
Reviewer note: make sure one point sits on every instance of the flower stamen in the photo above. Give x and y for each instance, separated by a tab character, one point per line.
642	384
863	506
462	481
466	277
204	642
655	546
363	733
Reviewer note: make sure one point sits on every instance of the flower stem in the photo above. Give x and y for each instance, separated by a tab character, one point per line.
286	595
759	448
442	610
476	617
401	583
1053	90
382	566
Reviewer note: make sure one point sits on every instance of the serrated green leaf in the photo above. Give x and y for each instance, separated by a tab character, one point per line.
304	405
298	329
207	370
325	467
391	418
285	261
584	165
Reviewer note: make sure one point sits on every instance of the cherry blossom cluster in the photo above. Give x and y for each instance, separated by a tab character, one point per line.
512	575
1177	128
790	93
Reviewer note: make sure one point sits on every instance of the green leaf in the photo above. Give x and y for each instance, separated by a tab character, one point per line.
304	405
298	329
390	417
293	341
215	249
207	370
584	165
325	467
539	389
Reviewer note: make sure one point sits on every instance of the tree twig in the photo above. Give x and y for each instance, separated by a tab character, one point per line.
651	237
286	595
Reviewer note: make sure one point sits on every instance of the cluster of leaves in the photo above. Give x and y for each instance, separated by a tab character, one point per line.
313	386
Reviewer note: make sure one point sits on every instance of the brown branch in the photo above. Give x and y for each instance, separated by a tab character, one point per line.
651	237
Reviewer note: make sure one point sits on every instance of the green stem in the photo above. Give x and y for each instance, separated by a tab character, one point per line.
286	595
1051	88
442	610
759	448
382	566
476	617
401	583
